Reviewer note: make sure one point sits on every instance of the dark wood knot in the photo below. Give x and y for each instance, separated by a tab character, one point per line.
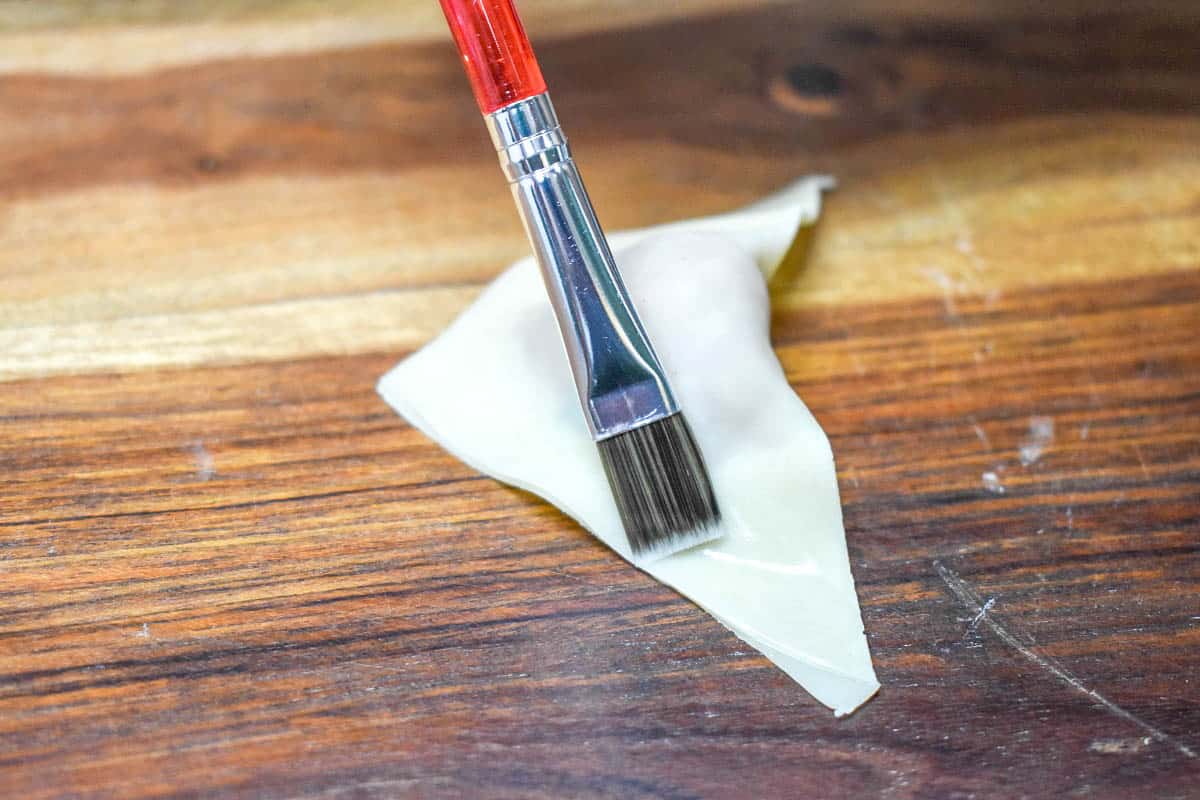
813	89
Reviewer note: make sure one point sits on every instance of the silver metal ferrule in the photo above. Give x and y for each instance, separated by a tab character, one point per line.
620	381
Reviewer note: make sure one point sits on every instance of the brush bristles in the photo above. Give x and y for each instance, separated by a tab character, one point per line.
661	487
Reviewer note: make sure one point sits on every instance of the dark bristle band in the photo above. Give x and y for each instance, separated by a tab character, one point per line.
661	487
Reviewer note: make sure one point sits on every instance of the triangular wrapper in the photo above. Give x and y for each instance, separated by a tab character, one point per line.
495	390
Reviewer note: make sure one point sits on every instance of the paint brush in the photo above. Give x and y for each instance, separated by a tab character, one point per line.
654	466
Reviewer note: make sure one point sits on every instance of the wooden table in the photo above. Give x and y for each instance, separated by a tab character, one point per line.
227	569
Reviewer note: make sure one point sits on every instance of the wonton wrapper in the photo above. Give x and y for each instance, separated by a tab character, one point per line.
496	391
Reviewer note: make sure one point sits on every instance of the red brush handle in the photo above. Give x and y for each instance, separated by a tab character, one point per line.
495	51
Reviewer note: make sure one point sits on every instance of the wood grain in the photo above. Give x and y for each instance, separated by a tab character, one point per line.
226	569
111	37
196	208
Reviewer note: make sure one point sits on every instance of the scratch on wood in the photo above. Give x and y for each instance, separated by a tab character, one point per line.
949	290
205	466
1120	746
971	600
1041	436
982	613
852	476
1141	461
980	433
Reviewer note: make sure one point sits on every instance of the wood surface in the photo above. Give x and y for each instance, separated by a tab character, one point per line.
227	569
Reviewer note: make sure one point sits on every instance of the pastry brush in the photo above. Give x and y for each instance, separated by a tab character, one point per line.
654	466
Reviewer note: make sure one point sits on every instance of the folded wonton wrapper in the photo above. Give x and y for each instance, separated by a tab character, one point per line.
496	391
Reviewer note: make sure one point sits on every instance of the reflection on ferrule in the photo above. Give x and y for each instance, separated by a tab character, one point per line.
620	381
527	137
